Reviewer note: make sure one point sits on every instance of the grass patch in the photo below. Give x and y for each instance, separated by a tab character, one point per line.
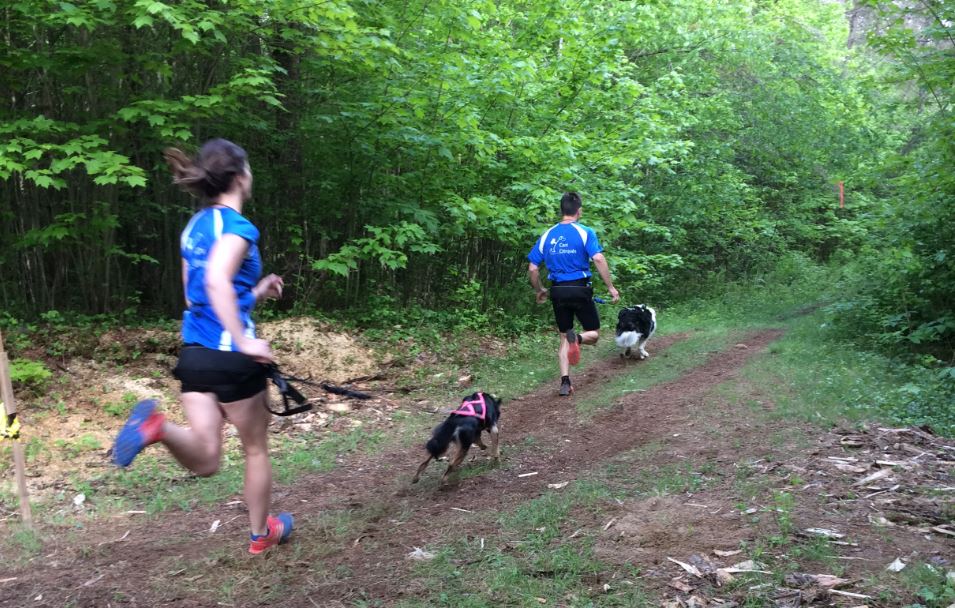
929	585
530	562
827	383
24	542
659	368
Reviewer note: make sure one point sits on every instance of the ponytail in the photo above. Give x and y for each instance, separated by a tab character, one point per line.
212	171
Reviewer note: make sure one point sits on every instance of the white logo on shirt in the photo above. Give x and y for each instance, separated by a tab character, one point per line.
559	245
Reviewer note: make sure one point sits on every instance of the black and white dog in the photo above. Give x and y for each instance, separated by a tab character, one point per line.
635	325
478	412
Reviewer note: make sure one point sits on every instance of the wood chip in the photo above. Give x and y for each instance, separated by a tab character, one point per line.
894	463
610	523
857	596
723	577
943	530
461	510
727	553
747	566
824	532
880	521
121	538
420	554
680	585
527	474
557	486
880	474
892	489
828	581
897	566
691	569
849	468
7	580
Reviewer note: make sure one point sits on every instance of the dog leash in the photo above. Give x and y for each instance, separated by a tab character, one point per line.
290	393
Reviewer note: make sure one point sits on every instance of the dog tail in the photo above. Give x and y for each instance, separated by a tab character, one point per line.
628	339
441	438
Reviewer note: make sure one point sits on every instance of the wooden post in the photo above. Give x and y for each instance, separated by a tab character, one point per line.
19	463
842	195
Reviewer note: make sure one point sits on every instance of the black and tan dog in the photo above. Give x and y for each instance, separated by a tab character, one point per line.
477	413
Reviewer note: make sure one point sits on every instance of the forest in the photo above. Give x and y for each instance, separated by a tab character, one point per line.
775	177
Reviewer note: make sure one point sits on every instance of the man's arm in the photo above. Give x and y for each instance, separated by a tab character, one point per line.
540	293
604	269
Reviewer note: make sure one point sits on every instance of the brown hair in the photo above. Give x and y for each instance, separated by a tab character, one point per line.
211	173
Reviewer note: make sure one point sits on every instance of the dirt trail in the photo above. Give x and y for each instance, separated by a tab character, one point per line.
131	571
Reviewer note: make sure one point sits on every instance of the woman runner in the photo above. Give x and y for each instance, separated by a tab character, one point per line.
222	366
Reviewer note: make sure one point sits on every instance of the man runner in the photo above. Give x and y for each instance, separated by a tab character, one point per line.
567	250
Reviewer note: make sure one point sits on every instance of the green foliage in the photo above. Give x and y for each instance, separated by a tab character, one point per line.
821	378
900	299
930	585
29	374
401	149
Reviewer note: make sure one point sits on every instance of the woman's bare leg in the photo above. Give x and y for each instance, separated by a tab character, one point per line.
251	419
197	447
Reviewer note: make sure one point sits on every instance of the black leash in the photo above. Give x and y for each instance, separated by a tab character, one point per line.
290	393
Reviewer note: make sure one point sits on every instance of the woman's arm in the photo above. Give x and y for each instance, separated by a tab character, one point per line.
185	282
223	264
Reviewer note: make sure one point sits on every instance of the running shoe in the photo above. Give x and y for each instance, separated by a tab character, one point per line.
566	388
144	427
280	528
573	347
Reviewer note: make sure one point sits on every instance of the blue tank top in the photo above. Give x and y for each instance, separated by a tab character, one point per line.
200	325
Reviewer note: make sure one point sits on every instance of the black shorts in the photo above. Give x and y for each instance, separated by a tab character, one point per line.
574	299
231	376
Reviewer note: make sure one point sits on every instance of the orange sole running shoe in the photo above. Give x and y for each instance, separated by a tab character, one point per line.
280	528
573	348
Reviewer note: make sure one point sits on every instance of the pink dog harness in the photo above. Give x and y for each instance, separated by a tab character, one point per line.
467	408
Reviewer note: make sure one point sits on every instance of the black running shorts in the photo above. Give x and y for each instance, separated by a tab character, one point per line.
574	299
231	376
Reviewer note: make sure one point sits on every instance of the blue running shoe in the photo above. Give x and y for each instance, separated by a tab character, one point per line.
144	427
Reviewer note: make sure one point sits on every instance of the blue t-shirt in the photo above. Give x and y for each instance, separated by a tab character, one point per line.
200	325
566	250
